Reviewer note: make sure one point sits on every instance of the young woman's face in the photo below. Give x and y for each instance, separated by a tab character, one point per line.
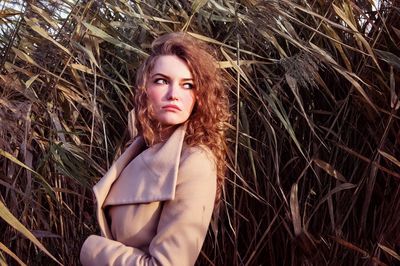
170	90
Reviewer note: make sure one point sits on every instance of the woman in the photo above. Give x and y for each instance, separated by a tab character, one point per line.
155	203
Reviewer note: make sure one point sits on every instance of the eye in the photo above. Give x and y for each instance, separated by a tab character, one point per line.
160	81
188	85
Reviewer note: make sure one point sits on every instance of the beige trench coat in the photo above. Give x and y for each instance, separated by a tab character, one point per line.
182	181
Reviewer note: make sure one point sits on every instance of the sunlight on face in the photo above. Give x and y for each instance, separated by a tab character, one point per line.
170	90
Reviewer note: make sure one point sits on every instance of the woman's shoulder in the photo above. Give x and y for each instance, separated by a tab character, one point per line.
198	157
199	152
197	164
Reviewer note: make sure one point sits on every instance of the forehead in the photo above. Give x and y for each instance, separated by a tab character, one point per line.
171	66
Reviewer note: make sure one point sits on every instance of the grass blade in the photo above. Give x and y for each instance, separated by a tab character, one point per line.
7	216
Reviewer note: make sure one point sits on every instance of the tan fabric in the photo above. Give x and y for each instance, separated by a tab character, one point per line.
163	211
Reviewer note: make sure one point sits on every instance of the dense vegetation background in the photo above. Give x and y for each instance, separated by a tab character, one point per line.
314	142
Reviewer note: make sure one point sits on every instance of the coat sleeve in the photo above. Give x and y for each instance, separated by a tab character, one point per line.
182	227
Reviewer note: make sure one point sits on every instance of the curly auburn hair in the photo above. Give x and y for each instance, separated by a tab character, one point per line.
207	122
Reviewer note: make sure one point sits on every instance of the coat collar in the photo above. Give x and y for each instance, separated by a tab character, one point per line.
155	179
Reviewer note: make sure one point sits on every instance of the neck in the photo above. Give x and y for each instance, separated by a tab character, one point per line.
165	133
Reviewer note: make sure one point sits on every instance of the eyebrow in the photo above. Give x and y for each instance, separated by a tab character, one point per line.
165	76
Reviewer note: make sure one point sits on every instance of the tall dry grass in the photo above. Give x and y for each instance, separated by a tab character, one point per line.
314	144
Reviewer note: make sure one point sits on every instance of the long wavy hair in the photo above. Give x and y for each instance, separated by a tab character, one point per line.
208	121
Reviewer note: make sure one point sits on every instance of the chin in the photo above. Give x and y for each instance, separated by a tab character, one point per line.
170	121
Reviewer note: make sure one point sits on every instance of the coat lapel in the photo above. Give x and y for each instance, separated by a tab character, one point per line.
154	178
101	189
161	171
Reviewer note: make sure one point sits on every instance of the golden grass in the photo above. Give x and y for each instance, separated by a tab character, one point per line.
314	145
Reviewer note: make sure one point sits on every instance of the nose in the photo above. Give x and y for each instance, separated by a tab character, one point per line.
173	92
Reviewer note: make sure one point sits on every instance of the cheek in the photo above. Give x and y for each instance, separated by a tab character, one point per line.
190	99
153	96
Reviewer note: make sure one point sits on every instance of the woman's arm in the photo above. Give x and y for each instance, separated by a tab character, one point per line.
183	222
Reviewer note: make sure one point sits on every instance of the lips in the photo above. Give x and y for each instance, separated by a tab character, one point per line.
171	107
